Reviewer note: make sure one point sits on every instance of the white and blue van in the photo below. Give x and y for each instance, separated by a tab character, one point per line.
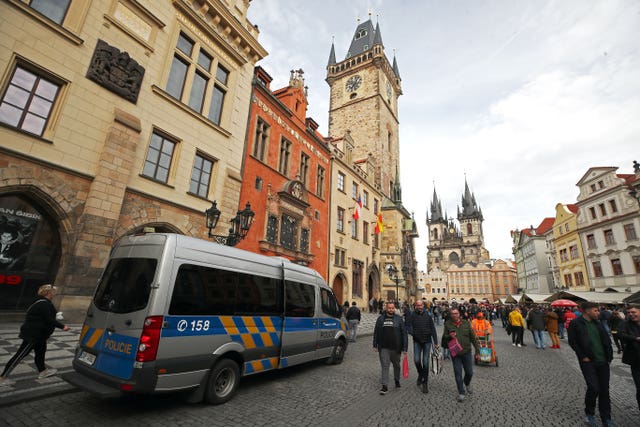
174	313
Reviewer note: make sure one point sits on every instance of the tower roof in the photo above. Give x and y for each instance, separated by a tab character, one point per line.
332	55
363	38
469	208
395	66
436	209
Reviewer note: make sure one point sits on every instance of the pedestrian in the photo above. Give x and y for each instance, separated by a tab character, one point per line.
551	322
567	317
372	304
390	340
40	321
345	308
592	345
517	327
421	327
353	317
460	329
629	334
615	323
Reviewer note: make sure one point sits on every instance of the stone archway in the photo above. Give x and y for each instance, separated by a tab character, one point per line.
338	288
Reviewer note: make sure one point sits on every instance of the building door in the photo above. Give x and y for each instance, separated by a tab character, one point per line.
29	251
337	288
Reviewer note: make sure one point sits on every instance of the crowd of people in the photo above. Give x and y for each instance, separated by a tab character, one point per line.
590	330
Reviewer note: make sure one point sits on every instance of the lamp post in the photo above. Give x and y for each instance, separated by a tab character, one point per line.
392	271
240	224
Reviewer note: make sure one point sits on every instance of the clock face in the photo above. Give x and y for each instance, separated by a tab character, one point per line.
353	83
388	90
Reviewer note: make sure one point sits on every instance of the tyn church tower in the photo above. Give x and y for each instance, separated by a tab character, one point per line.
365	88
451	243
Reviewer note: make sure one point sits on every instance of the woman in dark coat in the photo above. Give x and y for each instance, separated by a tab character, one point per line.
39	323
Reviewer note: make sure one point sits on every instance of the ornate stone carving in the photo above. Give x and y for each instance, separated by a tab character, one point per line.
116	71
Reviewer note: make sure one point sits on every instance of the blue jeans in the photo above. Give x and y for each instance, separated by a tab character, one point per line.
459	362
538	337
421	355
561	329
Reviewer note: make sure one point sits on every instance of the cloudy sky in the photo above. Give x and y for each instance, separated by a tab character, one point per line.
522	96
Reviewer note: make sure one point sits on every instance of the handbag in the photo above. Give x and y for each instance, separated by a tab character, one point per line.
405	366
436	361
454	347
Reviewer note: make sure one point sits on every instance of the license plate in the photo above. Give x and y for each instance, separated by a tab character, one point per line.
87	358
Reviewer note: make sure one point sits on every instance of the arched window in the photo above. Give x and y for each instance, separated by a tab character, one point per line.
435	233
469	229
454	258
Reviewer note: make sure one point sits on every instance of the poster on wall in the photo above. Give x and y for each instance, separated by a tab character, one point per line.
17	229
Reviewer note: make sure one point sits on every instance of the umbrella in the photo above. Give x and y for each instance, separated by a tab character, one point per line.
563	303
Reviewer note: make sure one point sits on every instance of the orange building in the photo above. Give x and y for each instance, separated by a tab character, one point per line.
286	175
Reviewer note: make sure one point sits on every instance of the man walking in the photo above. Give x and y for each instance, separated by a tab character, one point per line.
629	334
420	326
536	321
591	343
460	330
353	317
389	340
517	327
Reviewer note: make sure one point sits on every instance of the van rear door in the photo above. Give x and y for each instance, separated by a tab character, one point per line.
299	337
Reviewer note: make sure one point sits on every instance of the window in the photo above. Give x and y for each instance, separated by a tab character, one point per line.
579	278
592	211
597	269
125	285
636	263
341	181
300	299
613	206
566	227
285	152
28	100
603	209
320	182
52	9
630	232
354	191
193	65
365	199
340	221
469	229
304	169
304	240
563	255
608	237
600	184
616	266
289	232
258	184
201	176
272	229
593	187
329	304
573	251
356	277
261	139
159	155
340	256
354	228
365	232
591	241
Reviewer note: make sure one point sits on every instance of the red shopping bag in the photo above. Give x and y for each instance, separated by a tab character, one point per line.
405	367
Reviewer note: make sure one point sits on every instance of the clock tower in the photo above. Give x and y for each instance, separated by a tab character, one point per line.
365	88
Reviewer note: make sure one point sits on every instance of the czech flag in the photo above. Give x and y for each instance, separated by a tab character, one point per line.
356	210
379	225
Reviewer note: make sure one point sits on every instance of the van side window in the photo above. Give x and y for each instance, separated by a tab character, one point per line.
329	303
300	300
201	290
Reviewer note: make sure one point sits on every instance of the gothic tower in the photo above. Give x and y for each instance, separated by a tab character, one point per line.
365	88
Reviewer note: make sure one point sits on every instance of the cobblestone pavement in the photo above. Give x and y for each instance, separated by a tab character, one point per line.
530	387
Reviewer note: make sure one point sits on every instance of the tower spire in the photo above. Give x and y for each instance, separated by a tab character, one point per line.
332	54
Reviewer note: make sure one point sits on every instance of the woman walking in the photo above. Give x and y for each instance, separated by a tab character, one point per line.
39	323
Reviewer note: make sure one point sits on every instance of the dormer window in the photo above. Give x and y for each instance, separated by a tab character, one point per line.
365	48
360	34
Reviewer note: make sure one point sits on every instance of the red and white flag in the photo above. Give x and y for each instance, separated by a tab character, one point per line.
356	209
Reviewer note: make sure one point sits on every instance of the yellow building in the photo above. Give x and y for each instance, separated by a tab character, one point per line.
572	269
116	115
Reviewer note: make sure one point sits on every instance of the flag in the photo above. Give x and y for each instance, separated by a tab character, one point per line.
379	225
356	209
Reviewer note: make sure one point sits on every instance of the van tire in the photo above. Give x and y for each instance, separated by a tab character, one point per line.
337	355
223	382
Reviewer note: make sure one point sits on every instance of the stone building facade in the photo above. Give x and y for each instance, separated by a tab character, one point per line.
568	251
115	116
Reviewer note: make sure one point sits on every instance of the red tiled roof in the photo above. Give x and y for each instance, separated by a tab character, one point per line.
545	225
628	177
573	208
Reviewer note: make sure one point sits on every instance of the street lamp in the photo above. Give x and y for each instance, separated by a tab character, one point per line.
240	224
392	271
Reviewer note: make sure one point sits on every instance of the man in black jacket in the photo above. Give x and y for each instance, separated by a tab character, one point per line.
353	317
629	334
389	340
420	325
39	323
591	343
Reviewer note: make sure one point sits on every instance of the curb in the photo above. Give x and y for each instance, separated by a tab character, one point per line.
26	395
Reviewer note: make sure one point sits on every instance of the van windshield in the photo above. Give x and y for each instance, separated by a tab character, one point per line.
125	285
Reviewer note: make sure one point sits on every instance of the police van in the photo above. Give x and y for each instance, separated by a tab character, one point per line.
174	313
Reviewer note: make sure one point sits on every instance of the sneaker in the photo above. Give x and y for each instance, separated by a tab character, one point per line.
610	423
513	344
4	381
425	388
590	420
519	345
384	390
469	390
524	345
460	397
47	373
397	383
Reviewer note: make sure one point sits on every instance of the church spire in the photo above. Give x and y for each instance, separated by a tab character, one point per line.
332	54
377	39
436	209
395	65
469	208
396	197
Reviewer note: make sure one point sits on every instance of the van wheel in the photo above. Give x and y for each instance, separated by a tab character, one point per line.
223	382
337	355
